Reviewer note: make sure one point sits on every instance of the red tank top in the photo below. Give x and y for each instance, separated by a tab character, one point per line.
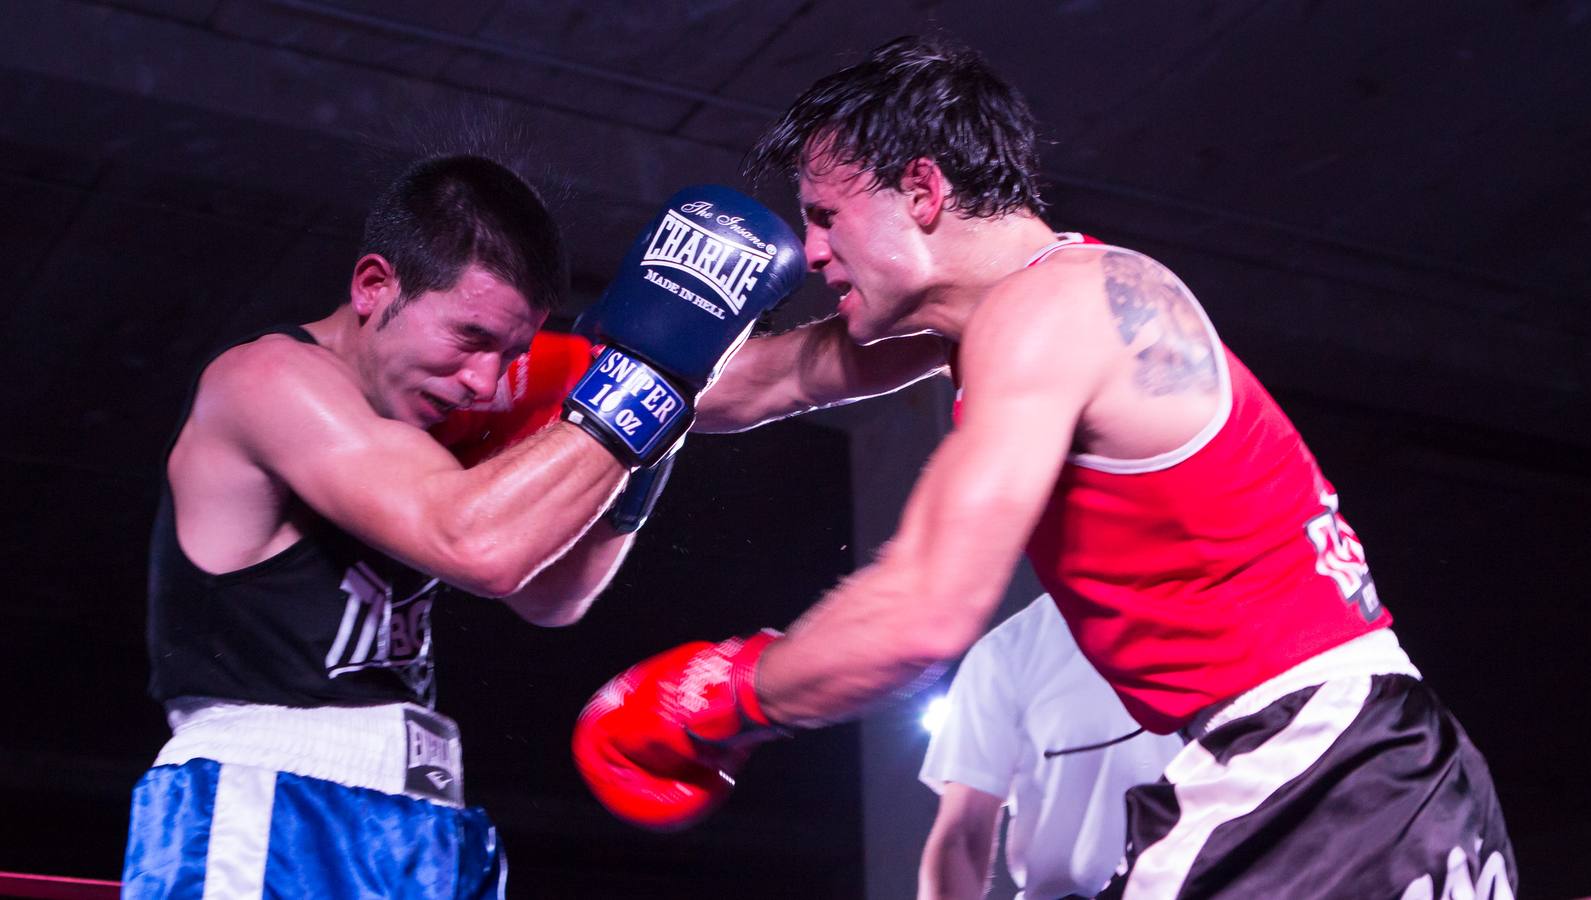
1191	577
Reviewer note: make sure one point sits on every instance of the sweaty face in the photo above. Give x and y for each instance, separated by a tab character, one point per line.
861	240
446	349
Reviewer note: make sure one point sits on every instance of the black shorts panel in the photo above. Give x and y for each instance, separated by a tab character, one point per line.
1362	787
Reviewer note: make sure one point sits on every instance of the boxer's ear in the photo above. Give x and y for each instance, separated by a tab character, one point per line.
927	191
374	286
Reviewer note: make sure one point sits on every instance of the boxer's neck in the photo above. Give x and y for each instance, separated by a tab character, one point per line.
344	334
971	256
336	332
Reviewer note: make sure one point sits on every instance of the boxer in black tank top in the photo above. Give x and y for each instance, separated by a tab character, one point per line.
308	522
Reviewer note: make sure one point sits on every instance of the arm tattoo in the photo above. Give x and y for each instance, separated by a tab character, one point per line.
1156	318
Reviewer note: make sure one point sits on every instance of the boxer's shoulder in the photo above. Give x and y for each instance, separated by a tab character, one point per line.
1062	283
1094	296
269	354
1141	289
1047	309
270	386
273	365
1100	267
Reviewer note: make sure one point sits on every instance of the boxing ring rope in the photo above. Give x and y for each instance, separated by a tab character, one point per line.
56	887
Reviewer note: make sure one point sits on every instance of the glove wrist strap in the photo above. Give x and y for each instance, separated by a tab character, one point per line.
630	406
721	681
743	679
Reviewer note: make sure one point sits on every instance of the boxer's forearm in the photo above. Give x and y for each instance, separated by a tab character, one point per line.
872	637
518	512
810	367
561	593
761	382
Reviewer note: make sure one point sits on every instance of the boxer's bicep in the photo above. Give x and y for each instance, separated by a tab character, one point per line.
305	424
487	529
887	366
1031	364
1031	361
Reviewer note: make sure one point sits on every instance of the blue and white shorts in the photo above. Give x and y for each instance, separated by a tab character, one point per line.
259	801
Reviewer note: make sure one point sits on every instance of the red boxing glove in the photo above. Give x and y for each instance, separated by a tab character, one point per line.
529	395
659	745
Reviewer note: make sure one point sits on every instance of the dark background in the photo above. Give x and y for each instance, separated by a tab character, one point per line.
1385	208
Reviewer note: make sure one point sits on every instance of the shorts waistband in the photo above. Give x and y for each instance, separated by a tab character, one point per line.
396	748
1376	653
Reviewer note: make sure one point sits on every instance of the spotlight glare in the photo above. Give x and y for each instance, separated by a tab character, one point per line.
934	714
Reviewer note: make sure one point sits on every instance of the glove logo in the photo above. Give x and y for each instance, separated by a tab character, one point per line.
727	268
704	209
704	672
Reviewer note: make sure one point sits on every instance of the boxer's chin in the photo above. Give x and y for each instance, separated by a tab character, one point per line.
854	312
863	329
856	329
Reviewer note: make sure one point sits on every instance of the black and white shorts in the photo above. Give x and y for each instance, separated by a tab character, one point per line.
1364	786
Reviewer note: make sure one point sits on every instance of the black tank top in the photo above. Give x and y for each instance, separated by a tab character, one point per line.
326	622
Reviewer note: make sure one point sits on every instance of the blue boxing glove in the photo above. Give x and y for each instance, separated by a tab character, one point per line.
686	297
634	504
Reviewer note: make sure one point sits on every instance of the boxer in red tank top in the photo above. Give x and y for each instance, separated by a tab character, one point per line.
1193	545
1194	575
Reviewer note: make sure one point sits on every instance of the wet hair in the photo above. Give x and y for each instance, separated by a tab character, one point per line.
447	212
914	97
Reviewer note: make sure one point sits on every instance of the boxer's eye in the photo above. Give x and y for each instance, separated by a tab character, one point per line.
474	337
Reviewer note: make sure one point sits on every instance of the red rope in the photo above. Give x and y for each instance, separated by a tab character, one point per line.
51	887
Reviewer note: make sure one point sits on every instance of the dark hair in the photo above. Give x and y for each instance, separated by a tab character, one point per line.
912	98
448	212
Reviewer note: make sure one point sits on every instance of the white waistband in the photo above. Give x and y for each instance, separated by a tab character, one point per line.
1376	653
397	748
